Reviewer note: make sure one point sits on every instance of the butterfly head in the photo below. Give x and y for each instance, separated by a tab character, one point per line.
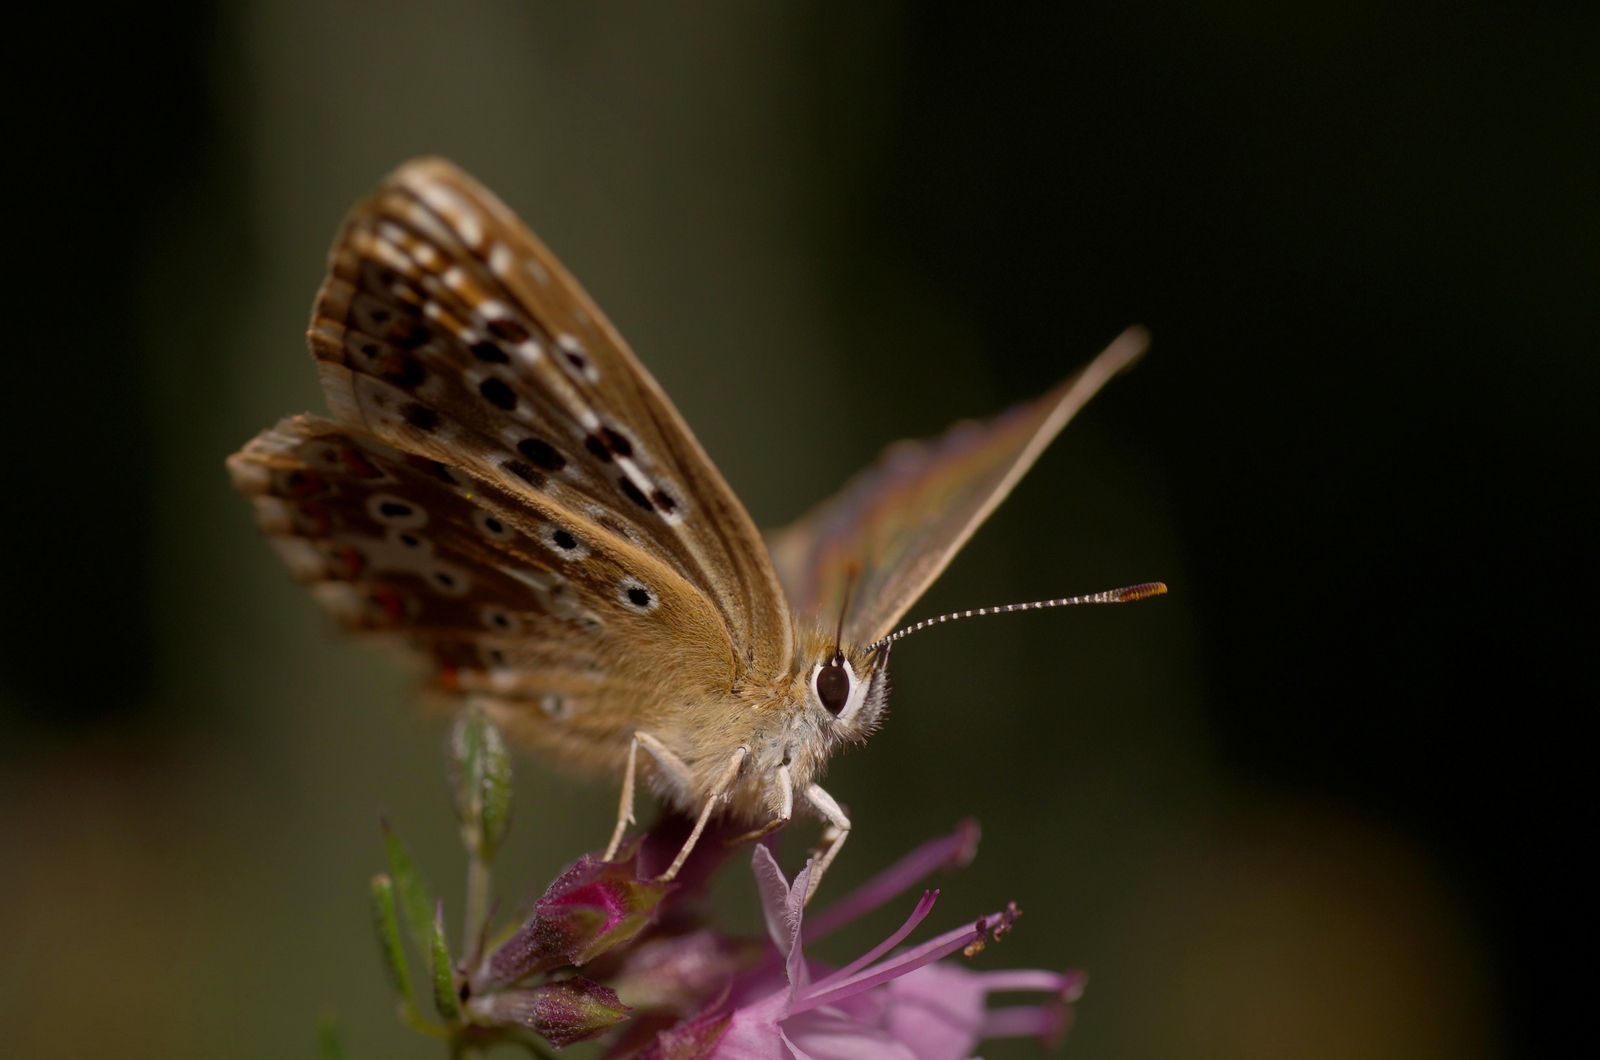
843	690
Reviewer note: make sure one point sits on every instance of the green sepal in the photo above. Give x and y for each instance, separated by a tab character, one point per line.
386	919
410	889
480	781
444	982
330	1046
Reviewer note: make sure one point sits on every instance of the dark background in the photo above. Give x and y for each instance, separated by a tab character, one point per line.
1364	237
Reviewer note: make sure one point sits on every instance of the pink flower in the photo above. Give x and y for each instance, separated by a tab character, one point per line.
902	1006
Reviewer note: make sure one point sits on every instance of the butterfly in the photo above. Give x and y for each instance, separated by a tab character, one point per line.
504	493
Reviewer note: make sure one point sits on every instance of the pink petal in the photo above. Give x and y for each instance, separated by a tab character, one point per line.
924	907
821	1035
1024	1021
1066	985
952	851
937	1010
785	909
914	958
753	1034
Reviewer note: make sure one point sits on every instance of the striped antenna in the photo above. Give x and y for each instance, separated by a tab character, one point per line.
1114	596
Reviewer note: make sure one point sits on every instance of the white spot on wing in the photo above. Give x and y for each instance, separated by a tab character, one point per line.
390	510
636	596
550	534
455	210
499	620
575	360
501	260
493	309
491	526
425	222
305	563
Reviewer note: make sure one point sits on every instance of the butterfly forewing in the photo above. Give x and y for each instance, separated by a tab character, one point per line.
447	330
892	530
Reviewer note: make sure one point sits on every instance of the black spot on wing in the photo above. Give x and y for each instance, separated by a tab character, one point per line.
509	330
398	369
421	417
634	493
542	453
408	334
497	393
525	473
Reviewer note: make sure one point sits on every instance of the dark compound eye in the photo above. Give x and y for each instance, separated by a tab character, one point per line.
833	685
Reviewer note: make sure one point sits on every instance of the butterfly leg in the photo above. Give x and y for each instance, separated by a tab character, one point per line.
785	812
718	790
838	831
668	762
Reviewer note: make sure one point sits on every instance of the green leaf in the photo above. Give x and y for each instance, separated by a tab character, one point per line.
480	781
444	983
330	1046
496	789
411	890
386	919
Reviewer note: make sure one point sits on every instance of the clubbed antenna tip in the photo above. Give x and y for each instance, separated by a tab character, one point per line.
1125	595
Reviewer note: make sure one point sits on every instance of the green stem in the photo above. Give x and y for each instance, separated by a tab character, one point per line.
411	1017
477	901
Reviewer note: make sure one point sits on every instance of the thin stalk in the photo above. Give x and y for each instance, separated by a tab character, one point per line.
478	881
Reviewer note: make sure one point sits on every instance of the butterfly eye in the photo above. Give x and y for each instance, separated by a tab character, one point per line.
833	685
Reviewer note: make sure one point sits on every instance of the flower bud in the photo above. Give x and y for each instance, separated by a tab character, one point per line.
563	1012
590	908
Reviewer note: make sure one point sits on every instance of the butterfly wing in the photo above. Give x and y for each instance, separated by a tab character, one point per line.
447	330
895	527
578	637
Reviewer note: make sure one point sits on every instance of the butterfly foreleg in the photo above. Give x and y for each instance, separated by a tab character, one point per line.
668	762
785	810
718	790
837	832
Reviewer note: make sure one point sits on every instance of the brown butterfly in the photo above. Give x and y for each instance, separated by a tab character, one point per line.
506	493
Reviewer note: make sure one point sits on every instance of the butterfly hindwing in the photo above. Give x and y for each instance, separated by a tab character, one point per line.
893	529
572	635
447	330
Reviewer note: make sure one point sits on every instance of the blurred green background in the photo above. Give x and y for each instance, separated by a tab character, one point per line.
1327	799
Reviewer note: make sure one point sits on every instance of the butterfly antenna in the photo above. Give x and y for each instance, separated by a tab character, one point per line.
1114	596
